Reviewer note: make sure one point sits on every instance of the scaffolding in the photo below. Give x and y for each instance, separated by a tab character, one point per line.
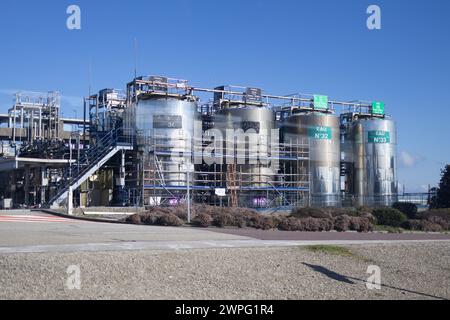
288	185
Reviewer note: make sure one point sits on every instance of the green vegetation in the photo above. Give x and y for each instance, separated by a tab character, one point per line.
389	217
409	209
442	198
388	229
337	251
329	249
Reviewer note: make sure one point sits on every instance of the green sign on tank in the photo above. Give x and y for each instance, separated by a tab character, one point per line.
320	102
379	137
378	108
320	133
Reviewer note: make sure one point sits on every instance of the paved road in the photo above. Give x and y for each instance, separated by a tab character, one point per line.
35	218
47	230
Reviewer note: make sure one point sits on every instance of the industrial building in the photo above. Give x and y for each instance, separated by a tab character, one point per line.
163	141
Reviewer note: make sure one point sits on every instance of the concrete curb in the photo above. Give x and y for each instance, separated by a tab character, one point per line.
58	214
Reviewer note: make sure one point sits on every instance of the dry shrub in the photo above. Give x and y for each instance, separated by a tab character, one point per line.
362	210
326	224
180	212
149	218
134	219
370	217
443	214
342	223
169	219
336	212
277	219
310	213
265	222
289	224
155	218
239	221
445	224
205	216
198	209
360	224
244	217
421	225
223	219
307	224
203	220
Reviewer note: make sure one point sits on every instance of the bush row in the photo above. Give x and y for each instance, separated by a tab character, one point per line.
422	225
331	212
155	219
285	223
359	219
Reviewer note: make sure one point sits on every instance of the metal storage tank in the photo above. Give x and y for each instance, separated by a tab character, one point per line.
163	116
166	127
250	119
374	143
321	132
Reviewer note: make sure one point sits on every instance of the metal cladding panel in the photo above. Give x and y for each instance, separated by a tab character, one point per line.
375	161
169	124
322	132
251	120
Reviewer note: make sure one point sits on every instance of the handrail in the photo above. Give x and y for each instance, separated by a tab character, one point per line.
86	162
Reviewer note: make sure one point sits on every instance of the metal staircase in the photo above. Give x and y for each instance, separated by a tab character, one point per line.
89	162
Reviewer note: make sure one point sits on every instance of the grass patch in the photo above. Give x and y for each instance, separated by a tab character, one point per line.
388	229
333	250
337	251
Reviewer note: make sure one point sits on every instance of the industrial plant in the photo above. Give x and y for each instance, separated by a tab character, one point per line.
164	142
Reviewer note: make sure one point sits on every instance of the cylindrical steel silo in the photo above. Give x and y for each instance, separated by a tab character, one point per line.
321	133
255	124
374	143
164	130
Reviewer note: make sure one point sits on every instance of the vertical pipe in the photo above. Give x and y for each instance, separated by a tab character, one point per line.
188	196
84	125
27	185
21	117
14	121
70	201
40	123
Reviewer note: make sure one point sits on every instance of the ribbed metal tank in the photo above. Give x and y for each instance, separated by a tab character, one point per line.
259	120
374	143
166	125
322	133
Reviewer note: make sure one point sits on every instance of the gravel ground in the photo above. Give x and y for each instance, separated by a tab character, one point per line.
409	271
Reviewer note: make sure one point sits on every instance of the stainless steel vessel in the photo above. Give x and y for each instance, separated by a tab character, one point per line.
321	132
251	126
373	148
164	130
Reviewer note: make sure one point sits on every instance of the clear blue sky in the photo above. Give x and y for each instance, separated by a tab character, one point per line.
282	46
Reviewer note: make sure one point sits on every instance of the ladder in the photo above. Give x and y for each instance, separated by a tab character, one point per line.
232	184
